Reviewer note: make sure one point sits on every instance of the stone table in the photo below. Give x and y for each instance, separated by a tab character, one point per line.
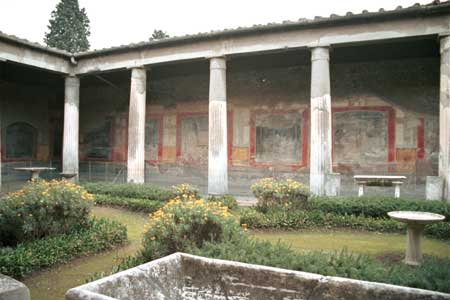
34	171
379	180
416	222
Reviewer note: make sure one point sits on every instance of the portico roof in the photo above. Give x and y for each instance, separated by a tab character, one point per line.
413	21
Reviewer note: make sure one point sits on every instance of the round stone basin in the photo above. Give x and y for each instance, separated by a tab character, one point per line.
416	217
416	222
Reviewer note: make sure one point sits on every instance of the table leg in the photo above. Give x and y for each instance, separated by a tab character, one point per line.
397	191
34	175
413	245
361	190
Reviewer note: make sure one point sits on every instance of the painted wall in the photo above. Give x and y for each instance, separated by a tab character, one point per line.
385	120
33	107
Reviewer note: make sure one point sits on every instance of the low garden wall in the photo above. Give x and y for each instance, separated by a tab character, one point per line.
184	276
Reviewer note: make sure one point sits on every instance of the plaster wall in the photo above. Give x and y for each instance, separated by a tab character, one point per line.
385	121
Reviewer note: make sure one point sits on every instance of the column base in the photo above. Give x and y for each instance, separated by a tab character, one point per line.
333	184
434	188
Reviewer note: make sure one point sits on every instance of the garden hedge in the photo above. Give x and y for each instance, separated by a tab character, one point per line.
134	204
376	207
99	235
433	274
125	190
298	219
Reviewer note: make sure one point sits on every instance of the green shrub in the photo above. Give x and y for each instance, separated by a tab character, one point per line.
141	205
185	190
270	192
125	190
226	200
376	207
186	223
252	218
42	208
433	274
98	235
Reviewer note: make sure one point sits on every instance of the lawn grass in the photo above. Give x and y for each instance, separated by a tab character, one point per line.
53	283
371	243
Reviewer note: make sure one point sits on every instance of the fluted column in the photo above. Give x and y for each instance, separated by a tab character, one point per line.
444	116
320	151
71	125
136	127
217	150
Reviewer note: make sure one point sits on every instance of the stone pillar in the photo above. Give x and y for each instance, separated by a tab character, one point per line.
444	116
71	126
1	148
136	127
218	141
320	151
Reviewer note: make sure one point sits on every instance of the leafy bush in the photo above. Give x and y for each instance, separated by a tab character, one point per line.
98	235
42	208
125	190
186	223
185	190
270	191
226	200
376	207
141	205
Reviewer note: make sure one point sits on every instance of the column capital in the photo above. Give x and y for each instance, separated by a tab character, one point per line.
139	72
217	62
320	53
72	81
444	42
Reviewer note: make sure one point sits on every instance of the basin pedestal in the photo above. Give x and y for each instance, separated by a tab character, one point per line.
413	244
416	221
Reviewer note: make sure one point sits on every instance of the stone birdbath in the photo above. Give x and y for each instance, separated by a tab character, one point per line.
416	222
34	171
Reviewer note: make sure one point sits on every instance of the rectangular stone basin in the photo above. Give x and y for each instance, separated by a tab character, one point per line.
188	277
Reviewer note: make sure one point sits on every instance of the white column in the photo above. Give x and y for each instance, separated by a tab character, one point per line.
444	116
136	127
71	125
218	150
1	148
320	151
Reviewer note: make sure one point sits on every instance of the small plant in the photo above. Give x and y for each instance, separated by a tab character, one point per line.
185	190
185	223
226	200
42	208
272	192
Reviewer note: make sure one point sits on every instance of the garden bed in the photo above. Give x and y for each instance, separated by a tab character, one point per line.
99	235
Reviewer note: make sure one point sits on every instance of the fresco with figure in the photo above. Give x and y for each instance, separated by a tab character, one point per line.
360	137
194	139
278	138
20	139
151	139
98	141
